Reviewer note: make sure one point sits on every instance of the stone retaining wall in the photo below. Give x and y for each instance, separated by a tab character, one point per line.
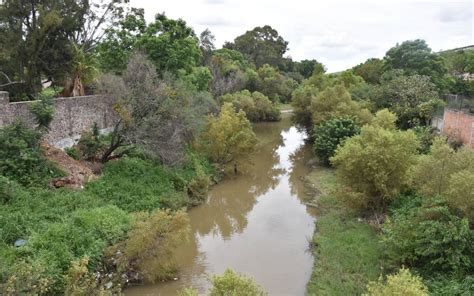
72	116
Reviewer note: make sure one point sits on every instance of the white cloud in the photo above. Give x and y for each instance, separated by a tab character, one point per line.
338	33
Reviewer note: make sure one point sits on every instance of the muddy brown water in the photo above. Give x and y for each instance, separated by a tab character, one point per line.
255	223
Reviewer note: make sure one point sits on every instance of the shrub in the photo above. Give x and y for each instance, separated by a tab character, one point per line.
26	279
90	143
336	102
428	237
149	245
43	110
401	283
21	158
328	135
234	284
79	281
227	136
373	165
257	106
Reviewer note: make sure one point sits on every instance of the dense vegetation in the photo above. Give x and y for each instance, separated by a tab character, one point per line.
401	208
403	196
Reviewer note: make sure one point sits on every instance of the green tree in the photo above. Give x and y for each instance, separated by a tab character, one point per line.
262	45
120	41
401	283
274	85
38	35
331	133
336	102
228	136
415	57
170	44
373	165
371	70
413	98
257	106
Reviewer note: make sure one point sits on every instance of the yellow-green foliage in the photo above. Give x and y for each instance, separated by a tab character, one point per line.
234	284
402	283
336	102
26	279
227	136
449	173
81	282
373	165
257	106
148	248
385	119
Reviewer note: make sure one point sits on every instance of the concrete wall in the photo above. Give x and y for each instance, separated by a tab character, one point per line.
72	116
459	123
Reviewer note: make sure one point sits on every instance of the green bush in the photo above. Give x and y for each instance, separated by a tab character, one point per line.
234	284
90	143
21	158
426	235
401	283
331	133
43	110
257	106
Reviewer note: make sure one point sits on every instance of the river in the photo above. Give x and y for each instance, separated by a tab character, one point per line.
255	223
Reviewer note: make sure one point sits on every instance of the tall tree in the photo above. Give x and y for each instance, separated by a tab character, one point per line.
37	35
262	45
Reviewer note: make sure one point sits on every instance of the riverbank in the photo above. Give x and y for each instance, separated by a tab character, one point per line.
347	250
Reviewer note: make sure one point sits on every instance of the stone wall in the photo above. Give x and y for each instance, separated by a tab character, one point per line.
459	124
71	116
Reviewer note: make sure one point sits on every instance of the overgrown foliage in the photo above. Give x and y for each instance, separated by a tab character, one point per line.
401	283
373	165
232	283
330	134
257	106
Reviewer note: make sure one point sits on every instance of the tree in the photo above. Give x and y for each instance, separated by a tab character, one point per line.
401	283
373	165
257	106
206	43
170	44
161	116
371	70
336	102
415	57
274	85
38	36
262	45
228	136
413	98
331	133
120	41
306	67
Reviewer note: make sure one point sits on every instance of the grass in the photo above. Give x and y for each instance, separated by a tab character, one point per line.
347	251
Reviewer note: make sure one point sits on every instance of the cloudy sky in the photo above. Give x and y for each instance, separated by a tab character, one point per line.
338	33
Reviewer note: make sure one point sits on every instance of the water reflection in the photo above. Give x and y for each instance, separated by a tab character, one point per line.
254	223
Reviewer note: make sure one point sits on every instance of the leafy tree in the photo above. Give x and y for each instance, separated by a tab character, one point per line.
228	136
231	283
330	134
170	44
373	165
38	37
306	67
262	45
401	283
43	110
371	70
120	41
257	106
199	78
274	85
336	102
413	98
415	57
429	237
301	102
